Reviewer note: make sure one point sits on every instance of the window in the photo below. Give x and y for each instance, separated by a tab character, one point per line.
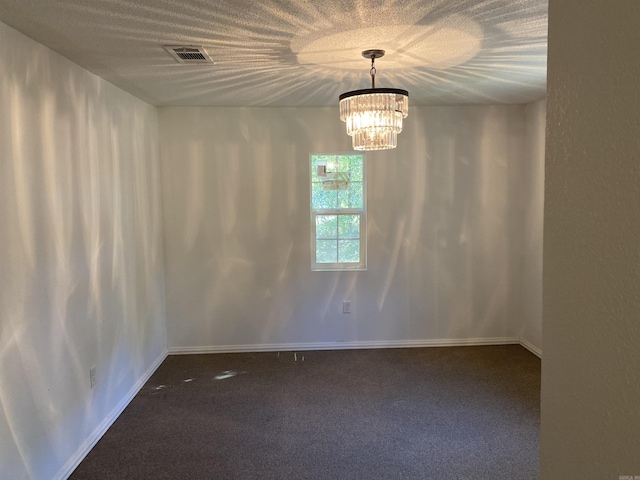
338	212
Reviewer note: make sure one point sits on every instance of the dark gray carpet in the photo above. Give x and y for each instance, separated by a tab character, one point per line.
419	413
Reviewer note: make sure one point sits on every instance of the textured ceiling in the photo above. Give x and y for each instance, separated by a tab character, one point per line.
299	52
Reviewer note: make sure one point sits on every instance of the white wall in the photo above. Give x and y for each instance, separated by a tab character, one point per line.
531	204
591	364
445	245
81	274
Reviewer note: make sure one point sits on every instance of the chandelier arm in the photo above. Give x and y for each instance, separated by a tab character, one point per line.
372	72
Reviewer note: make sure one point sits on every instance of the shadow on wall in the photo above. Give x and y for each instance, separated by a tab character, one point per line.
454	208
81	274
237	233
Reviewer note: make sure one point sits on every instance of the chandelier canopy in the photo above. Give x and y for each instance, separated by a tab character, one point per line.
374	115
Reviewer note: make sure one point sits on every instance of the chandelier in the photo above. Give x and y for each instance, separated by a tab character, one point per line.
374	115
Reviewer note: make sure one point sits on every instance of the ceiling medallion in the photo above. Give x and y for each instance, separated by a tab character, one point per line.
374	115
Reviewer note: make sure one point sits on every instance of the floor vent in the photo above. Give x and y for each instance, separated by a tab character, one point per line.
189	54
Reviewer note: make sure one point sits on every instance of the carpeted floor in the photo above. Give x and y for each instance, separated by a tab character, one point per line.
420	413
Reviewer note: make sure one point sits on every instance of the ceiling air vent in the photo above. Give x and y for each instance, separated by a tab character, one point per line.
189	54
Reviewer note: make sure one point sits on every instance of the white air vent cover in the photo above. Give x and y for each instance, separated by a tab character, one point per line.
189	54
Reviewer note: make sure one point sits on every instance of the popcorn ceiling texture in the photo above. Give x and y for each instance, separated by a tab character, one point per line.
299	53
591	294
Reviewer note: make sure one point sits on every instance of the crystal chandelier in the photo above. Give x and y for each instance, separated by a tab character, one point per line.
374	115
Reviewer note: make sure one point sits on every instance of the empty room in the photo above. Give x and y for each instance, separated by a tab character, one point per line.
287	239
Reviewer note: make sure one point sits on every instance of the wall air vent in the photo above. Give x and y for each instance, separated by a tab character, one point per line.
189	54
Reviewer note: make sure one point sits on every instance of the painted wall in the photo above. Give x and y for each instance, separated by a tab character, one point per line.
81	273
528	308
445	214
591	321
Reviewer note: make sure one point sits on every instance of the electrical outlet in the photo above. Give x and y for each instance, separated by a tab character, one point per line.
346	307
92	376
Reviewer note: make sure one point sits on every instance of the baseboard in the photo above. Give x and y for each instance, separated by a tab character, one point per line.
531	347
285	347
101	429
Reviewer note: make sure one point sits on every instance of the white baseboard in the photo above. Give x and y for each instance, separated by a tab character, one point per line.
68	468
285	347
531	347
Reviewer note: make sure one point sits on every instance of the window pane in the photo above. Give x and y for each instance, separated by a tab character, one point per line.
349	227
326	226
356	173
314	169
323	198
331	162
352	164
315	161
356	198
351	198
326	251
349	251
316	189
343	199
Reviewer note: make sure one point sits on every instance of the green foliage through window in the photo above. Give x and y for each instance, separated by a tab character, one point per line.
338	215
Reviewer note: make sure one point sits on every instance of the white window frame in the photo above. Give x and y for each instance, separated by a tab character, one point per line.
361	212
